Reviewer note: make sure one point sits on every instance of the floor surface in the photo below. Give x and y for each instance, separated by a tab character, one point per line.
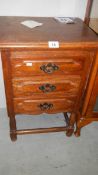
47	154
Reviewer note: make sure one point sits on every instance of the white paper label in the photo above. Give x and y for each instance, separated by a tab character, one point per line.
53	44
31	24
28	64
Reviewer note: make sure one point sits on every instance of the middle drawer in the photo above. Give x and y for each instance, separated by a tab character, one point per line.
45	86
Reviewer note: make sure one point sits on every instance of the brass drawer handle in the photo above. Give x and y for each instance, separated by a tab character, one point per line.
45	106
47	88
49	68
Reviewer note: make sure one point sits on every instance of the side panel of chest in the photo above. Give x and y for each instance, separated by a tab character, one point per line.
92	109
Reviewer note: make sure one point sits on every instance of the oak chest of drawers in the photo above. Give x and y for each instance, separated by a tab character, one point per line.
43	79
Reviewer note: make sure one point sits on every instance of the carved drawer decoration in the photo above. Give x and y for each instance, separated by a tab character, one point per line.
47	64
41	87
43	106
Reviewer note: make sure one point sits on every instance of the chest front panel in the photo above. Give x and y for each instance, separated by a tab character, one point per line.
56	78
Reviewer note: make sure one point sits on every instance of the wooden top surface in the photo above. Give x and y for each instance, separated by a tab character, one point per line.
14	34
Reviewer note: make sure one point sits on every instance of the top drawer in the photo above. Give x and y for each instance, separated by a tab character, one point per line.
45	63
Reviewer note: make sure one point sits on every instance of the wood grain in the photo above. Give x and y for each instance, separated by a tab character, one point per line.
90	84
29	106
67	61
90	110
29	63
68	85
13	34
88	11
5	55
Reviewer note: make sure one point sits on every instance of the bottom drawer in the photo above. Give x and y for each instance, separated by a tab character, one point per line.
28	106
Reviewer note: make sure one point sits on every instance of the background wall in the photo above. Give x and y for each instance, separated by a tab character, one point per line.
94	11
74	8
43	7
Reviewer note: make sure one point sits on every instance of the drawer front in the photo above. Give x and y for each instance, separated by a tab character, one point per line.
53	63
29	106
45	88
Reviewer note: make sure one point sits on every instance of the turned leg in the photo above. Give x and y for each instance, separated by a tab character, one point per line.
66	119
13	134
70	128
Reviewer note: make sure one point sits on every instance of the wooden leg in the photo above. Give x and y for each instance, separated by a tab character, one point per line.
70	129
66	119
13	134
77	132
78	126
81	122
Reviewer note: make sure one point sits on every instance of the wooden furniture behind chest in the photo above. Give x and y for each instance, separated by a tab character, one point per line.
92	22
89	112
39	79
